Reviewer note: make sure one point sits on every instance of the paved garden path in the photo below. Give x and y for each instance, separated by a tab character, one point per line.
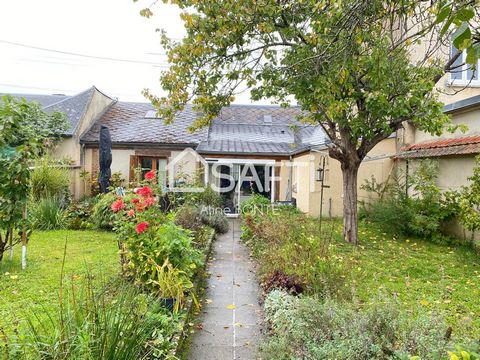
230	323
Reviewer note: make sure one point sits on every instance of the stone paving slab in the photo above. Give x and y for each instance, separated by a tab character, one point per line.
231	315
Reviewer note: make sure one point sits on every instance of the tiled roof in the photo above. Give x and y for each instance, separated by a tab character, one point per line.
127	123
240	129
72	106
245	147
442	147
43	100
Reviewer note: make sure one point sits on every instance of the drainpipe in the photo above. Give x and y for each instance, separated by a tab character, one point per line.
406	177
290	176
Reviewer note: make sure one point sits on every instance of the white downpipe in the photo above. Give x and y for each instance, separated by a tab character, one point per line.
24	257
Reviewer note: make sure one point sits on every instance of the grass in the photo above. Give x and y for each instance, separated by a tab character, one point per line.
23	292
418	273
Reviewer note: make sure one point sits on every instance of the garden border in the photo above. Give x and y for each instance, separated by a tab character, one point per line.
180	339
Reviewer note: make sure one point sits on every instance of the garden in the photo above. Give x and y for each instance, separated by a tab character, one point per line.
114	275
407	291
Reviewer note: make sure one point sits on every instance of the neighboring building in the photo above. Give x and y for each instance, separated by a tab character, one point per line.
455	152
284	152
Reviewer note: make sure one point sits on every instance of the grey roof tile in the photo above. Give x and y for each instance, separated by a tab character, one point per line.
127	124
72	106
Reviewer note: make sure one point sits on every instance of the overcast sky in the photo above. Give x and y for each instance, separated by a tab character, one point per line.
41	43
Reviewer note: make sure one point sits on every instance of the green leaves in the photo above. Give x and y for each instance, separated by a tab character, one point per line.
462	37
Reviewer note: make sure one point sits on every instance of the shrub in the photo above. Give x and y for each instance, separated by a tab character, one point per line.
189	218
102	215
256	204
50	180
305	328
422	213
79	214
282	281
216	220
47	214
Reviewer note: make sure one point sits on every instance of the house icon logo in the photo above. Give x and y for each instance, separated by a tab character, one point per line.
183	180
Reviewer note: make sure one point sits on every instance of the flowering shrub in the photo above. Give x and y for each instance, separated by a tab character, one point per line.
149	240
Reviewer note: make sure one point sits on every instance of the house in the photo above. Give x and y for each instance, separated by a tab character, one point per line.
268	140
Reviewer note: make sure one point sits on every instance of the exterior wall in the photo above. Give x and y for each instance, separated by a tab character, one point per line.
70	148
471	118
307	192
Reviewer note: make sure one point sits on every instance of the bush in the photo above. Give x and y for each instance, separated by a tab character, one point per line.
50	180
216	220
421	214
79	214
189	217
47	214
305	328
102	215
256	204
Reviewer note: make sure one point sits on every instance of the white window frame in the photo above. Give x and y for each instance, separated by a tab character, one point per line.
464	81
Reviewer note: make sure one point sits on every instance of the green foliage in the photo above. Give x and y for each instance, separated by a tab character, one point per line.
256	203
461	16
117	180
79	214
102	215
422	213
47	213
288	242
306	328
109	323
208	197
469	201
463	354
25	133
50	179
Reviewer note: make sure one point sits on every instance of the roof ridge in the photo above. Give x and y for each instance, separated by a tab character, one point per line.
68	97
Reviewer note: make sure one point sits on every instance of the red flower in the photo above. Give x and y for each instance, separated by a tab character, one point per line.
145	191
150	175
130	213
118	205
135	200
141	227
149	201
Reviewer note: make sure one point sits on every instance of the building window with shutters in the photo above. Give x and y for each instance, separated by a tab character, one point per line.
144	164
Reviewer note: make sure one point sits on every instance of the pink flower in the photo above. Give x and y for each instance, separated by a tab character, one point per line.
130	213
145	191
150	175
135	200
149	201
141	227
118	205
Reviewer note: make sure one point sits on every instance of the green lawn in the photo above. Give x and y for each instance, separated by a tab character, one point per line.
419	274
25	291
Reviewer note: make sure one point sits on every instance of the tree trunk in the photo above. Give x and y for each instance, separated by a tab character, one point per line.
350	216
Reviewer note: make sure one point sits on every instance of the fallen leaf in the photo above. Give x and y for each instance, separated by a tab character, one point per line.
231	307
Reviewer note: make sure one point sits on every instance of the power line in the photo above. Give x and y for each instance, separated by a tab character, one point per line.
83	55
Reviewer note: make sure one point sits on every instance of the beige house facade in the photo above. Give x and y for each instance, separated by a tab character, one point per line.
265	139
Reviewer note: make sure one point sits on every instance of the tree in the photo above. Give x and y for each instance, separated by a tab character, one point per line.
347	63
25	133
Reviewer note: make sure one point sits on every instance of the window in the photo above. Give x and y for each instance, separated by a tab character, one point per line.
463	74
159	165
